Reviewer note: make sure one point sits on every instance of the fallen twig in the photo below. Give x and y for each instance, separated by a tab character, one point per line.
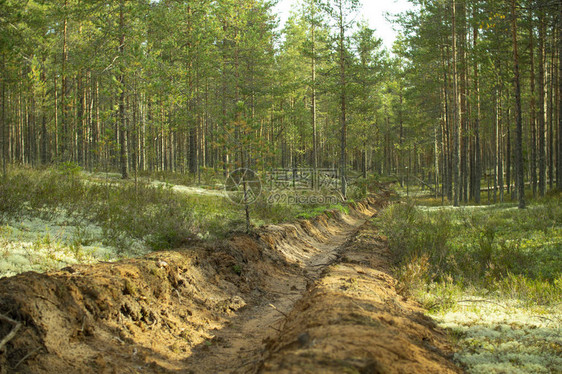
26	357
44	298
277	310
12	333
275	328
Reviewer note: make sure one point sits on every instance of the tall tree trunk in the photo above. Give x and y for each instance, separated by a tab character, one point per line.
559	101
478	154
464	111
4	126
551	111
446	142
343	98
124	149
313	98
56	133
436	158
193	159
499	143
518	119
456	116
79	119
508	157
533	109
193	150
65	127
542	104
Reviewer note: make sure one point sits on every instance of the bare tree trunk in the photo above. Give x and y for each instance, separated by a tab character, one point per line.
518	120
446	137
124	150
65	131
559	101
436	158
551	111
79	119
456	116
313	99
499	144
542	103
464	111
56	134
97	154
343	100
3	125
533	109
508	156
478	154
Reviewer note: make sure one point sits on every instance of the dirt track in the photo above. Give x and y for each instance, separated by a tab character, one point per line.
312	296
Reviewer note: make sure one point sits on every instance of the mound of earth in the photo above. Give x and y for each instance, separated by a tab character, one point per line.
231	306
353	321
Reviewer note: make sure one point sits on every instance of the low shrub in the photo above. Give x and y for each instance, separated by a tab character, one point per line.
491	249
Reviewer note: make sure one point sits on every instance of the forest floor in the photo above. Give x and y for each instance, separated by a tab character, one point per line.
488	274
308	296
56	217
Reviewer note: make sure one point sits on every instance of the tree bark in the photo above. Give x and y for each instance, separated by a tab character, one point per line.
313	96
124	149
478	154
542	103
3	125
518	119
456	116
551	111
64	139
559	101
533	109
343	98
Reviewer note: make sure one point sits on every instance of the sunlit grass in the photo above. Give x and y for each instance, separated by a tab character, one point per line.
53	217
490	274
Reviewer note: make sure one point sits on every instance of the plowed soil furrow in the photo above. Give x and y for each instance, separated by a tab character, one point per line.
240	346
310	296
353	321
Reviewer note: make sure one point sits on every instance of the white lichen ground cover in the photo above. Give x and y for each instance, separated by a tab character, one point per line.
31	243
115	178
504	336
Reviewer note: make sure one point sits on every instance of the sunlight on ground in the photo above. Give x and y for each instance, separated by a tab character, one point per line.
504	207
189	190
489	274
503	336
35	244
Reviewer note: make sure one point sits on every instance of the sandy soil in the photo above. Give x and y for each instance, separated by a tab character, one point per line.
310	296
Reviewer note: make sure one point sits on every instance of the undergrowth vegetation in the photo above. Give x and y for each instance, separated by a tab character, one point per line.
57	216
491	274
